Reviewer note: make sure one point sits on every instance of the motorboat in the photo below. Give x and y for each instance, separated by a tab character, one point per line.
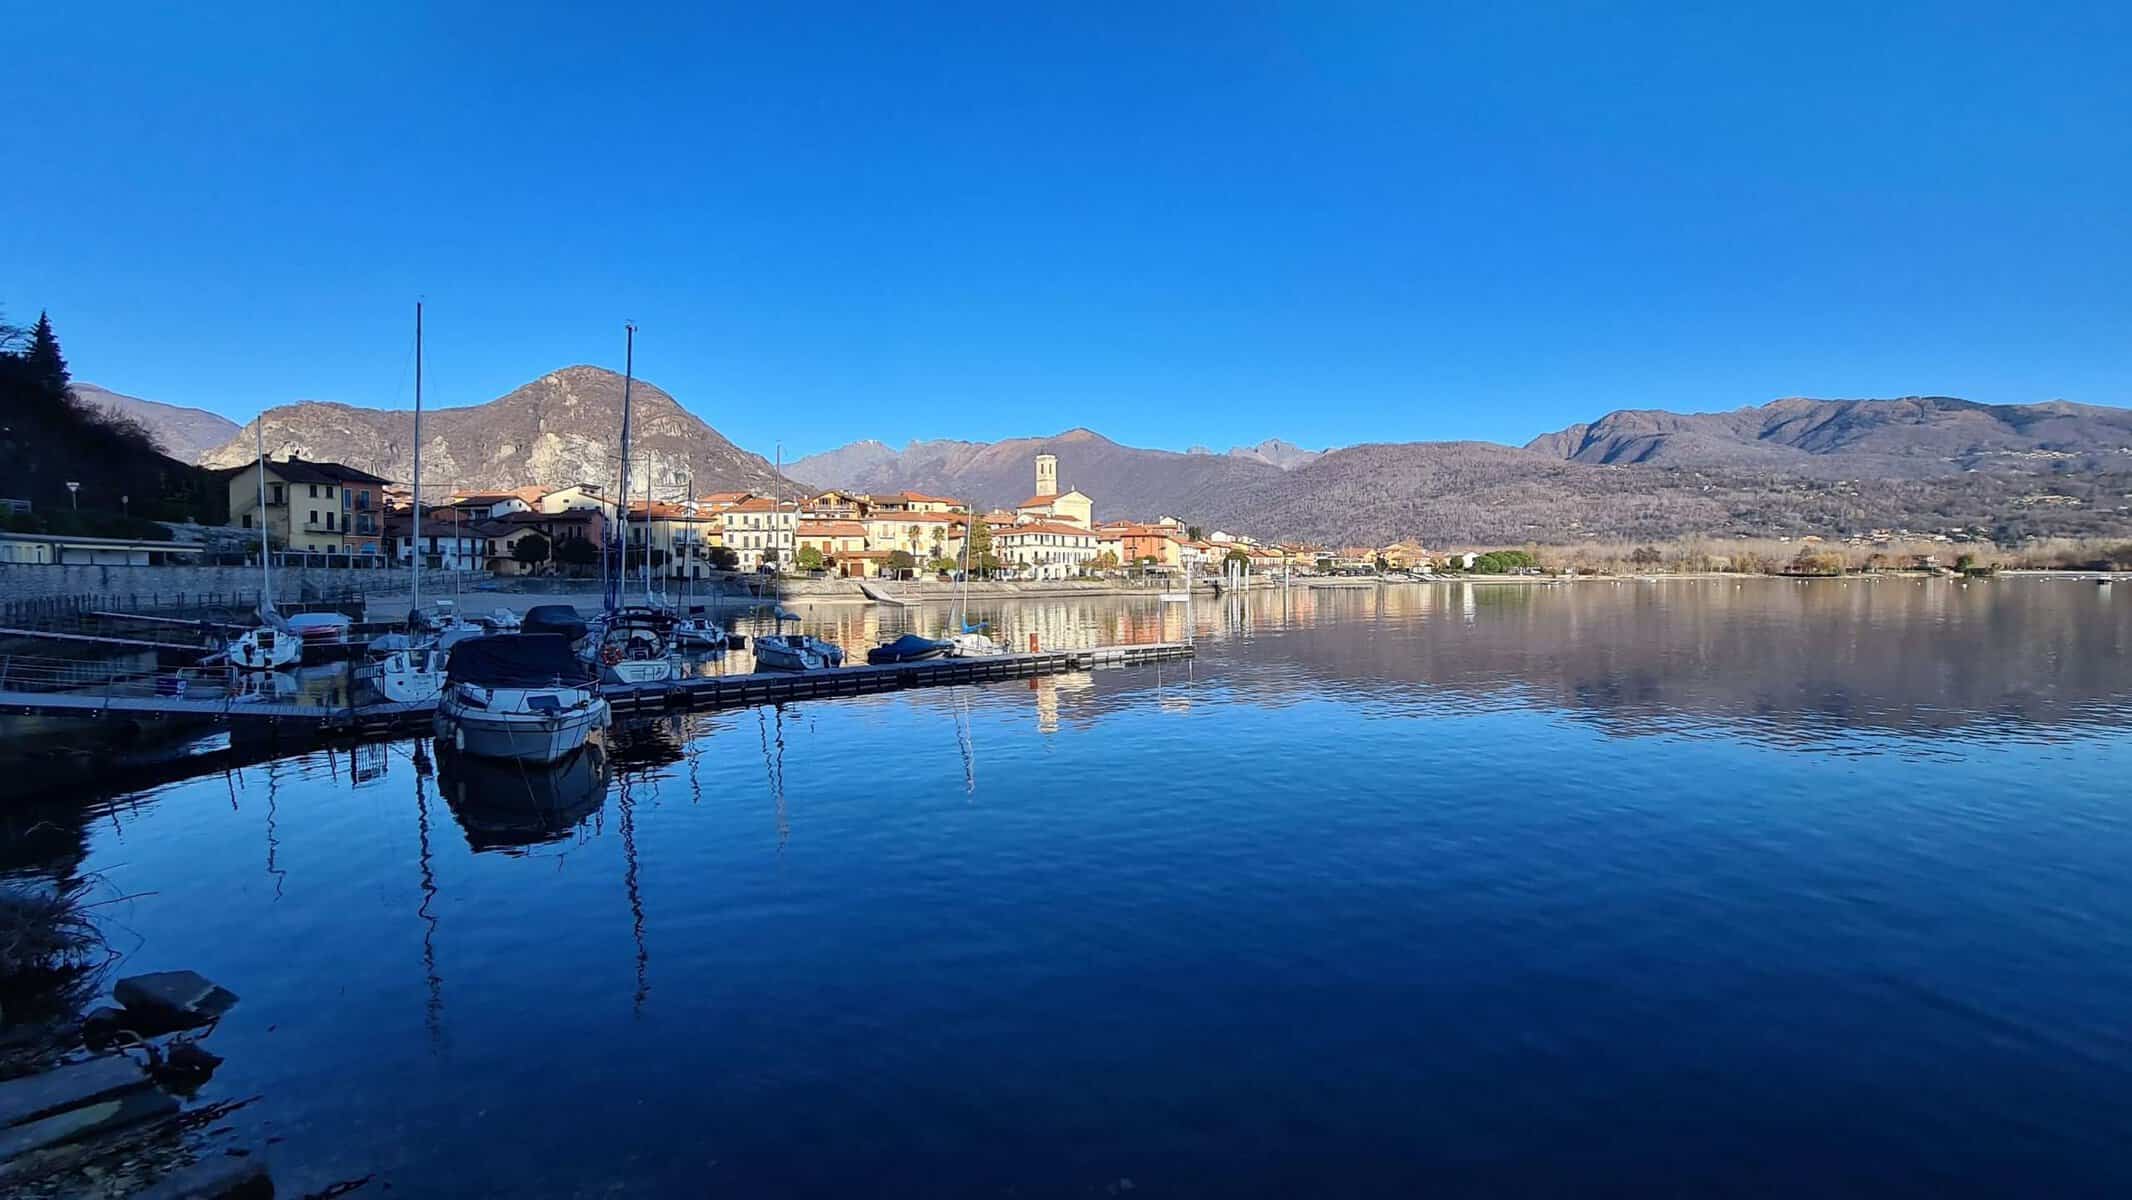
320	628
909	648
781	651
631	645
796	652
442	624
518	696
697	631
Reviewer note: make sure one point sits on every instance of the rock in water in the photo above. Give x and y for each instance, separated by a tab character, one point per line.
176	998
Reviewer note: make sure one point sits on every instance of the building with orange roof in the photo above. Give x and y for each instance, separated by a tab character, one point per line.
1045	549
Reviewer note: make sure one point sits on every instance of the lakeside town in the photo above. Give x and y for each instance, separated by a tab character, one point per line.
332	515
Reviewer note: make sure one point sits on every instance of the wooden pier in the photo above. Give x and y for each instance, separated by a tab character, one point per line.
155	698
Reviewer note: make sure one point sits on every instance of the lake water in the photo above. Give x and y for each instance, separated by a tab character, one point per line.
1671	888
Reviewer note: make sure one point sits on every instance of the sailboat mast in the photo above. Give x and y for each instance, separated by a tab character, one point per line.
266	549
619	583
414	603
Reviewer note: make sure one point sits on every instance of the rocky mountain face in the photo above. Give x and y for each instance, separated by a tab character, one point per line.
182	433
1914	437
1275	452
562	428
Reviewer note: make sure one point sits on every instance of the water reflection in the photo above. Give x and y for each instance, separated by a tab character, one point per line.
511	807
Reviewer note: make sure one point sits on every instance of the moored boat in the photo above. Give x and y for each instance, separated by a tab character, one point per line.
796	652
631	645
910	647
518	696
321	628
267	648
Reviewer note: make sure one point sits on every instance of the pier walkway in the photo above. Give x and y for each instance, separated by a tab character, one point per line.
34	689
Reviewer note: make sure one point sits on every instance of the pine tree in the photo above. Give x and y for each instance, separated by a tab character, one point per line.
47	366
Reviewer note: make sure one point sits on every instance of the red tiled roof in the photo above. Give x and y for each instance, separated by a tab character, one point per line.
1048	527
577	516
831	529
917	518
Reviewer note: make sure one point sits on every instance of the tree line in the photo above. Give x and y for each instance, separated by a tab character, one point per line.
122	483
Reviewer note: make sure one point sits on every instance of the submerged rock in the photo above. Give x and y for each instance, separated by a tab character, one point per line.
173	999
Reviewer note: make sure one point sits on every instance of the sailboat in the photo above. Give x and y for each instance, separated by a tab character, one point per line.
969	641
412	668
629	643
272	645
692	626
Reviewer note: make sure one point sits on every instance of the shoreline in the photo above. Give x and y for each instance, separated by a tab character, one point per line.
843	592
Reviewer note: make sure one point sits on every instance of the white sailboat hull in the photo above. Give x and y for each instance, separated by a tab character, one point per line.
265	650
411	676
973	645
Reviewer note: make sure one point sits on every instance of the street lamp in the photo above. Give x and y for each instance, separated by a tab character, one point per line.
74	493
125	506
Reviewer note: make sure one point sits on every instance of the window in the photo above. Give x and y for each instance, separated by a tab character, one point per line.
314	490
329	518
247	520
275	494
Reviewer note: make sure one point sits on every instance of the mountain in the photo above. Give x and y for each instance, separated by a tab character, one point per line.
1914	437
182	433
1791	467
1275	452
562	428
1125	481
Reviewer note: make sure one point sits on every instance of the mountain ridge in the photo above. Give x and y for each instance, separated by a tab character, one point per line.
182	433
1790	466
561	428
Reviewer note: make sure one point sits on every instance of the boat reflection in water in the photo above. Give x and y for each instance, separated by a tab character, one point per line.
504	805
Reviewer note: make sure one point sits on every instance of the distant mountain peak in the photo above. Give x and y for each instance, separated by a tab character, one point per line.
183	433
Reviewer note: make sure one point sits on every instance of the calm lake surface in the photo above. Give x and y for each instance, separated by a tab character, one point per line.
1763	887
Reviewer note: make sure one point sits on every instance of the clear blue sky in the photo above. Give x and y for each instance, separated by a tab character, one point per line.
1172	223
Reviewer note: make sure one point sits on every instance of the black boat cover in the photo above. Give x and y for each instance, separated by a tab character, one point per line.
553	618
521	660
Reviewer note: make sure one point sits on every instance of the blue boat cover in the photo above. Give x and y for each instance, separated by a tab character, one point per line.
520	660
908	648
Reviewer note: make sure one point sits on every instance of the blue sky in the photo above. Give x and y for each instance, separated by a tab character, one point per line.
1171	223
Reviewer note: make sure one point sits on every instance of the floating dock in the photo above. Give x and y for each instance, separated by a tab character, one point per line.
140	697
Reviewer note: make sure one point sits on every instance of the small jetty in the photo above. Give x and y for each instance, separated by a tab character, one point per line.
140	694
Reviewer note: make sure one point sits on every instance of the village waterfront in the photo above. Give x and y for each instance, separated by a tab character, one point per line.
1713	885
